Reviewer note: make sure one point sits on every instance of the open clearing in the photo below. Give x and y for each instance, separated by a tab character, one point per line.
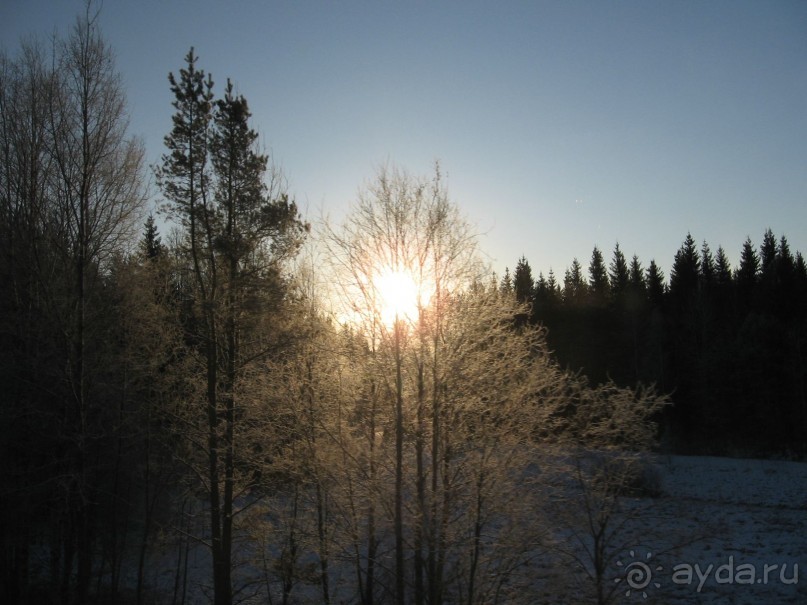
727	531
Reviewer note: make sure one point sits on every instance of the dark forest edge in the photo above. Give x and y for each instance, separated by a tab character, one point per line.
727	343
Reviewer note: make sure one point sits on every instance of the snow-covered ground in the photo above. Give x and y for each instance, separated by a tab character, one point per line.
727	531
722	531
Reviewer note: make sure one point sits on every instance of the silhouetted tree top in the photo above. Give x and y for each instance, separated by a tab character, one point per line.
552	283
574	288
506	285
547	293
522	281
783	289
722	268
636	290
801	268
636	279
767	252
726	340
708	268
151	245
540	284
784	251
655	284
618	272
748	271
597	277
182	174
685	270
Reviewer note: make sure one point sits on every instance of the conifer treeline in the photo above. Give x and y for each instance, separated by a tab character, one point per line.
727	342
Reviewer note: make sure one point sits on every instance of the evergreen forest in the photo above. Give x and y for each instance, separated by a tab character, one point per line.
727	343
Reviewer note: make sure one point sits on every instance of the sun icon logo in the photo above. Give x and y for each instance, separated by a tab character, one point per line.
638	575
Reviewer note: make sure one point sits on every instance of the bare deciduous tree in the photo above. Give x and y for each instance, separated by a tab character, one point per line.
598	456
73	192
455	377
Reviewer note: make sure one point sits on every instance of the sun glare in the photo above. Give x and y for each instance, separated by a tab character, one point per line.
398	295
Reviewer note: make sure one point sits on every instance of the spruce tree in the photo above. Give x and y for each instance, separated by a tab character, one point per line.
506	285
541	286
784	256
597	278
547	298
636	277
637	284
747	275
767	252
708	268
540	297
785	291
552	284
723	288
685	271
151	245
523	284
767	290
655	285
618	273
801	268
574	288
686	342
722	268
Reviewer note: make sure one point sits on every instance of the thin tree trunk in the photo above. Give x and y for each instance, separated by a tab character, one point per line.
188	528
83	541
354	520
141	561
220	574
477	539
319	492
177	570
229	404
372	544
323	544
434	527
68	555
442	539
288	560
421	486
400	597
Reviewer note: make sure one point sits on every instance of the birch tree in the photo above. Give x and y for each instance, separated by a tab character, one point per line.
72	195
451	372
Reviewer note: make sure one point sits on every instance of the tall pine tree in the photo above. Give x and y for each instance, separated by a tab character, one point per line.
239	232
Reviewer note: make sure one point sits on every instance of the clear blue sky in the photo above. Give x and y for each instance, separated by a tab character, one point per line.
560	125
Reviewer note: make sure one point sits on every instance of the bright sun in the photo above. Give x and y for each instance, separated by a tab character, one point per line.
398	295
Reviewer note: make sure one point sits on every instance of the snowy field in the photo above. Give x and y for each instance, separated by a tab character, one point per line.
720	531
723	531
